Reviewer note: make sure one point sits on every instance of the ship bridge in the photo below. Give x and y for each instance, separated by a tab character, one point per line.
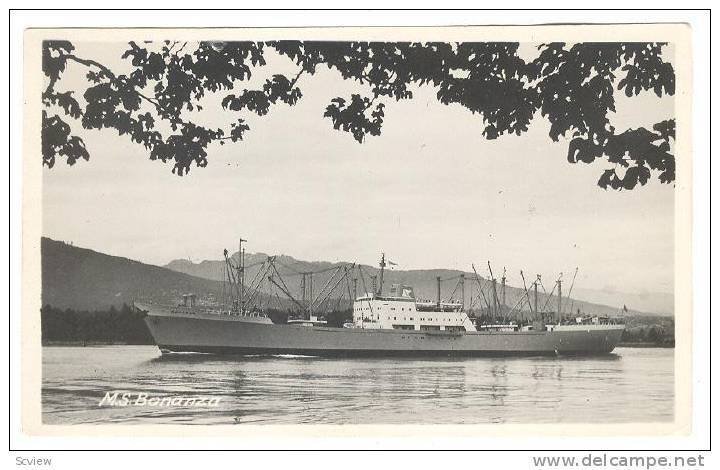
401	311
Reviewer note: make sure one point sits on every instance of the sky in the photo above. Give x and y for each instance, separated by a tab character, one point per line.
430	192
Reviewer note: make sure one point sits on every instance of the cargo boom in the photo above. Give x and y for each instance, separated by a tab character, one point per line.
397	324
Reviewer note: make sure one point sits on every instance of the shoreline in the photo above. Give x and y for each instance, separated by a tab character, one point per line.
645	345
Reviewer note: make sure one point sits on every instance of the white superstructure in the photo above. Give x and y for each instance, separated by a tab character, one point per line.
401	311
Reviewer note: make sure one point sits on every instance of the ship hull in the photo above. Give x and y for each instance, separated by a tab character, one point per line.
221	334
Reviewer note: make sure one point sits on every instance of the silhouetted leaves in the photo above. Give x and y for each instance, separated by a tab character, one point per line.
572	86
644	149
56	140
238	129
666	129
259	101
150	65
490	79
63	100
189	146
353	117
646	70
54	58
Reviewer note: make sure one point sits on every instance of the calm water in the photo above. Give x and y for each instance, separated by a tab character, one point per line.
632	385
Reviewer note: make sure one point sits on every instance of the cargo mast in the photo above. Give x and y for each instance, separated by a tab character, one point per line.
503	280
559	308
241	275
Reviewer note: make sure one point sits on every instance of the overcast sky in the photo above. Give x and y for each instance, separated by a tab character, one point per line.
430	192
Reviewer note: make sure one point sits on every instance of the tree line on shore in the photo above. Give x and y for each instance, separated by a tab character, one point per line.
117	326
651	334
123	325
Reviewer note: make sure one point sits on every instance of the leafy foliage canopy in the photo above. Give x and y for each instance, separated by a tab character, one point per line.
572	86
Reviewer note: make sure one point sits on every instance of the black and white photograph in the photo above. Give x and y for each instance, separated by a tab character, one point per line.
431	226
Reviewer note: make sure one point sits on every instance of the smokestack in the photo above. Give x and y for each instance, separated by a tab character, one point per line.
438	291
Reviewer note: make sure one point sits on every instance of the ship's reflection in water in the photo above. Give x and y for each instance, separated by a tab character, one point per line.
633	385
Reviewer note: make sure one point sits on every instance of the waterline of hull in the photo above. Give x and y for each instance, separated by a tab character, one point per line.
350	353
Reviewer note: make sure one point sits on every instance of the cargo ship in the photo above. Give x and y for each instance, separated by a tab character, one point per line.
396	324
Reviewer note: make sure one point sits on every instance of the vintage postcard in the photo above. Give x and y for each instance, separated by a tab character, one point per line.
357	231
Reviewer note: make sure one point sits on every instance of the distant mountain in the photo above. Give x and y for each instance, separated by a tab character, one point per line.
425	285
659	303
82	279
215	269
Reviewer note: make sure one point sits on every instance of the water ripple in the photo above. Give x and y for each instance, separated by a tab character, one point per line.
633	385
